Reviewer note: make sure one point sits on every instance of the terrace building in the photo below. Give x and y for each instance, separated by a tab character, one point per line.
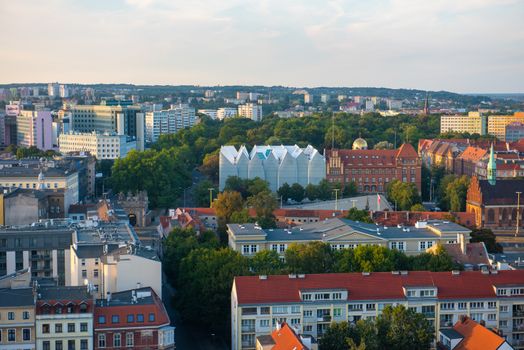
309	303
17	318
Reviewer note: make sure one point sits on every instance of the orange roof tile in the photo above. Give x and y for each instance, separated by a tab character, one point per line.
473	154
286	339
476	336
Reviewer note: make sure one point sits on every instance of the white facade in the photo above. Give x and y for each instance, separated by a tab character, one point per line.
251	111
53	89
226	112
212	113
34	128
169	121
473	123
102	146
64	91
66	329
275	164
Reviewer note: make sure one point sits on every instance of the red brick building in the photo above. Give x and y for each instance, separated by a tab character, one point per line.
132	319
372	170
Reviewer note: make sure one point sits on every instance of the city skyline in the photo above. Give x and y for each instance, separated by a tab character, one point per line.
466	47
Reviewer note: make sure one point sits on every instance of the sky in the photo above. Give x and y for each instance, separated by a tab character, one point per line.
465	46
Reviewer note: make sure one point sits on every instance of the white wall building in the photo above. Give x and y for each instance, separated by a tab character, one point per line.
226	112
212	113
169	121
251	111
275	164
101	146
35	128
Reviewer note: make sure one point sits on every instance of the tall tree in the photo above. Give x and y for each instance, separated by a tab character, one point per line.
297	192
226	204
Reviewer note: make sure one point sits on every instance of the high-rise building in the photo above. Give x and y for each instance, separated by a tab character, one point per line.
212	113
35	128
324	98
63	91
169	121
53	89
251	111
311	302
473	123
100	145
275	164
243	96
497	124
514	131
308	98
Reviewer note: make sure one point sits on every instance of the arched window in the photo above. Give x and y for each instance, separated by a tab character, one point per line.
504	215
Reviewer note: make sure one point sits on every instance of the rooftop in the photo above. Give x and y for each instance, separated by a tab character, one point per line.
64	293
16	297
279	289
476	336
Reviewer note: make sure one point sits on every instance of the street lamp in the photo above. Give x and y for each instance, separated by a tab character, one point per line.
336	197
518	213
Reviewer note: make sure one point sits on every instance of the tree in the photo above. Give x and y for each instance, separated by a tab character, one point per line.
264	204
296	192
311	192
206	276
406	329
266	262
34	152
383	145
488	237
456	193
257	185
437	260
313	257
350	189
359	215
337	335
417	207
240	217
284	191
201	193
236	184
210	165
403	194
324	190
226	204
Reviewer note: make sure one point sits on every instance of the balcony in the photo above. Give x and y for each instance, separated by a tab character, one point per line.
326	318
429	314
518	328
248	329
518	313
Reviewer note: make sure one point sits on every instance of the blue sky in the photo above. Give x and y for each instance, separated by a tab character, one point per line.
456	45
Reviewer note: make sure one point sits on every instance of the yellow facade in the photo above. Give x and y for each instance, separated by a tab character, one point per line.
497	124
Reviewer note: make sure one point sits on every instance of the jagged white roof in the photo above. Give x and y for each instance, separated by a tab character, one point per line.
263	152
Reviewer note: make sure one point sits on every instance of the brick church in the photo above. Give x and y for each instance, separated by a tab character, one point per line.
496	204
372	170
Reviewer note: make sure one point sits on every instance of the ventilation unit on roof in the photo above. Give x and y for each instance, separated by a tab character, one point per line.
301	275
366	273
404	273
395	272
262	277
292	275
455	272
494	272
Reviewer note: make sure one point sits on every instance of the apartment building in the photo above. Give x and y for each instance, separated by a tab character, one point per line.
43	178
134	319
514	131
211	113
64	318
309	303
100	145
248	239
473	123
497	124
45	250
17	318
20	206
35	129
251	111
169	121
226	112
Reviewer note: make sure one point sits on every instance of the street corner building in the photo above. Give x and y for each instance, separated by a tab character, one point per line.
275	164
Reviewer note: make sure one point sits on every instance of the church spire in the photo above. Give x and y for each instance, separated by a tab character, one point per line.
492	167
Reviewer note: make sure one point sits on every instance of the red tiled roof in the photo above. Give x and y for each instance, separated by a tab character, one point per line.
282	289
476	336
286	339
475	253
406	150
473	154
410	218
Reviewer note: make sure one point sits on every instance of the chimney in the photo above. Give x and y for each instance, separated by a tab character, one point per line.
108	297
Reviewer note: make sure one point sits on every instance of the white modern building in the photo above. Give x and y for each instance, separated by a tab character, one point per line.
211	113
275	164
169	121
226	112
251	111
100	145
53	89
35	128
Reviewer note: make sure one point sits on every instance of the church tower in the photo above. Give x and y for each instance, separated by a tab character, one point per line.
492	167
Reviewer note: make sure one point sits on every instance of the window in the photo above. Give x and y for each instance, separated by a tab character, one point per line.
427	293
25	315
58	328
447	306
253	248
337	296
45	328
282	248
130	341
116	340
26	334
337	312
151	317
115	319
265	310
264	323
70	345
306	297
11	334
46	345
308	328
503	308
462	306
503	323
492	304
84	273
370	307
58	345
398	245
476	305
83	327
10	315
245	249
476	316
411	293
140	318
280	309
130	318
101	319
492	317
274	247
83	262
95	273
70	328
101	340
308	313
83	344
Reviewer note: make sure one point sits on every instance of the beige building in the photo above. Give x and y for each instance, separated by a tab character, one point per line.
497	124
251	111
248	239
309	303
473	123
17	318
100	145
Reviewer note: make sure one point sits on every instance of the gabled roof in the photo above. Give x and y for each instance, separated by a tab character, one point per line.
476	336
473	154
502	193
406	150
285	338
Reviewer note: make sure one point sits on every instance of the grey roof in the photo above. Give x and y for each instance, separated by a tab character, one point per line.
88	251
451	333
265	339
331	228
63	293
144	297
34	172
16	297
358	202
